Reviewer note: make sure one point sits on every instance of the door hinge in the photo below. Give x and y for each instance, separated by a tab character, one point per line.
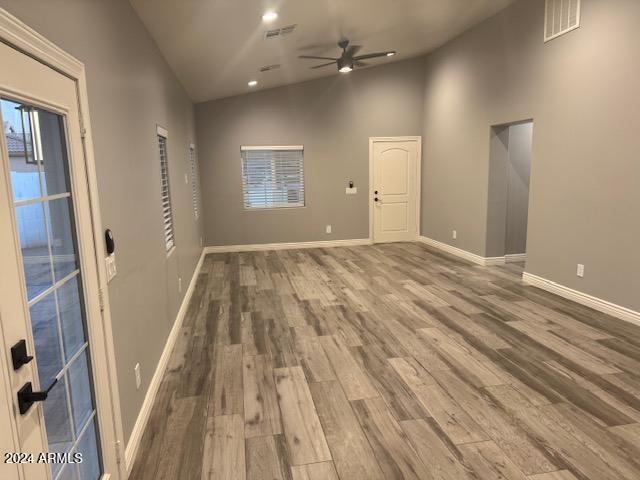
83	132
101	299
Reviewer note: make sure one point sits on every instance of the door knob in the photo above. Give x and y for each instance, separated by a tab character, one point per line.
27	397
376	199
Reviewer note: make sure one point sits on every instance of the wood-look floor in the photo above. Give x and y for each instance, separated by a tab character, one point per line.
391	361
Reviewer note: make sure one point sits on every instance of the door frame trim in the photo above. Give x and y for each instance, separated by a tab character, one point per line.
372	141
23	38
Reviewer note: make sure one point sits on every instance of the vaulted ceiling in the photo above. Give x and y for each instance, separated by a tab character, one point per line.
216	46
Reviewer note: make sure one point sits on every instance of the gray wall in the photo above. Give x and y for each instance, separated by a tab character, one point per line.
581	91
130	90
518	177
333	118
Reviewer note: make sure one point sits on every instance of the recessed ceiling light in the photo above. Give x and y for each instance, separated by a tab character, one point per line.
269	16
252	83
390	54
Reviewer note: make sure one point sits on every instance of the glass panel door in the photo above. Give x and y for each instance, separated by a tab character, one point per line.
44	211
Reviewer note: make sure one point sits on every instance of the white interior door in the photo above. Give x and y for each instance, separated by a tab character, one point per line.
395	188
49	281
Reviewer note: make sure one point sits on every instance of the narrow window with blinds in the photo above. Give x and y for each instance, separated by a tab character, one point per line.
167	213
273	177
194	180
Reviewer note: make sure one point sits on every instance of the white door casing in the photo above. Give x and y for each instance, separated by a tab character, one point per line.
394	184
28	79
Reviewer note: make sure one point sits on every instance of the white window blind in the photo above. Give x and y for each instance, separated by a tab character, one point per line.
167	213
194	180
273	177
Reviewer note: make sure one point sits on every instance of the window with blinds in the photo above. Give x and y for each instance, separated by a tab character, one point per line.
194	180
273	177
167	213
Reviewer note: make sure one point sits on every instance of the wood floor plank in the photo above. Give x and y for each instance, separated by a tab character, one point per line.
224	449
265	460
351	452
302	428
441	461
390	443
500	427
453	420
488	461
313	360
227	388
559	475
481	372
354	381
314	471
261	411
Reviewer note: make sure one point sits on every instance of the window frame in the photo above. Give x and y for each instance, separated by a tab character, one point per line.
195	177
287	206
169	245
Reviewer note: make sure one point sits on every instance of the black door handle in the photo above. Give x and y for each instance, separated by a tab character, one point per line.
27	397
375	199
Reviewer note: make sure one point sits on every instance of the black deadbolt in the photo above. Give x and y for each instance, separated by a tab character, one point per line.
27	397
19	355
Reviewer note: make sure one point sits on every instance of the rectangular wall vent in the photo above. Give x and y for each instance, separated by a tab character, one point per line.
279	32
560	17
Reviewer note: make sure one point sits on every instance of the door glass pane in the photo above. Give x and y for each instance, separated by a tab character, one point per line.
90	466
34	244
25	177
53	148
81	402
62	233
44	323
70	306
57	421
45	217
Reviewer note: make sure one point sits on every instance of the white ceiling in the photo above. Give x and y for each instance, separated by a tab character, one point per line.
216	46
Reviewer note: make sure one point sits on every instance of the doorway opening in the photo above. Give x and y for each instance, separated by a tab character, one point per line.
508	198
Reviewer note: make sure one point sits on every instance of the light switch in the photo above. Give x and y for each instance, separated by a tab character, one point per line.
351	191
110	264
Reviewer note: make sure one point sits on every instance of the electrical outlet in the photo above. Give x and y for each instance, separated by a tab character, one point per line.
179	284
136	370
186	179
201	242
580	271
454	234
328	229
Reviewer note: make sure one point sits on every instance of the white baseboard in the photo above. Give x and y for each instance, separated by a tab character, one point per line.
256	247
138	429
458	252
515	257
582	298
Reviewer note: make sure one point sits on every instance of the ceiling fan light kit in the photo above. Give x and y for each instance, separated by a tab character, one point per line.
348	60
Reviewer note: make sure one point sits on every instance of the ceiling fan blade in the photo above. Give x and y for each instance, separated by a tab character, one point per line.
352	50
323	65
313	57
359	64
372	55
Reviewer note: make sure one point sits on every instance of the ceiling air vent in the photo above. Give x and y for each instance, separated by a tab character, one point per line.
268	68
279	32
560	17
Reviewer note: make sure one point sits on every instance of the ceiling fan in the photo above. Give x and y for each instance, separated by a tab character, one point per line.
348	60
